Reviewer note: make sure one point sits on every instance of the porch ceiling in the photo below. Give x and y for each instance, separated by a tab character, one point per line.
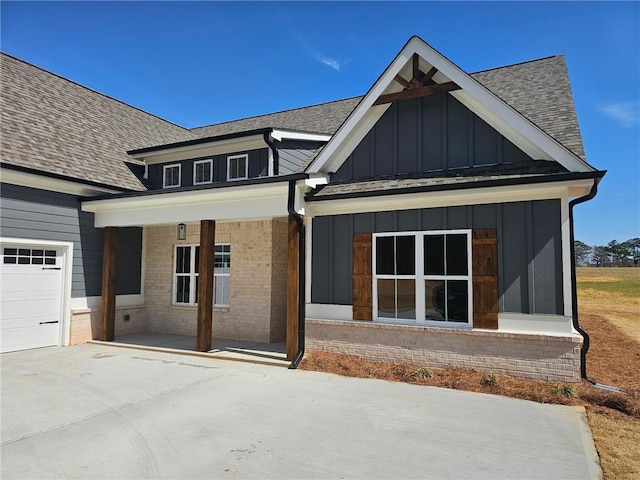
245	202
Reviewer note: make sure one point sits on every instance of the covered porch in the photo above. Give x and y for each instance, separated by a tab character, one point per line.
225	349
263	305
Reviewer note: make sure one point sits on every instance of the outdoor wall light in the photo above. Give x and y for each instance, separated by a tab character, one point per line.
182	231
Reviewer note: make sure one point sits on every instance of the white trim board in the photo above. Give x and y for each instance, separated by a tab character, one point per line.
247	202
42	182
493	110
208	149
448	198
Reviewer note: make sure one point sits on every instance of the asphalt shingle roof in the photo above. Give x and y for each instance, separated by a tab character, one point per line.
55	125
52	124
538	89
323	118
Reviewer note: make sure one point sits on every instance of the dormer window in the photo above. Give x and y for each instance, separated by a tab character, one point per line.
202	172
237	167
171	176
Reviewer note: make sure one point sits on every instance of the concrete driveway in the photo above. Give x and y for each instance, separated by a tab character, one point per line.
96	411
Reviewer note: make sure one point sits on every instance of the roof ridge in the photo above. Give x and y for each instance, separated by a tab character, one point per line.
275	113
92	90
516	64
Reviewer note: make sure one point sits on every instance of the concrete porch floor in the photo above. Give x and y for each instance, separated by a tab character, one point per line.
225	349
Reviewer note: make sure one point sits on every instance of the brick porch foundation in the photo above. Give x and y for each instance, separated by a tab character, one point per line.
537	356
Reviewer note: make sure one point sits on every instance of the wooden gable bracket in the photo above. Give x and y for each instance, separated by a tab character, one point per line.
417	87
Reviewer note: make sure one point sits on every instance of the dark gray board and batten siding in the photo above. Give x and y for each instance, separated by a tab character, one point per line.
258	167
31	213
429	135
529	249
294	154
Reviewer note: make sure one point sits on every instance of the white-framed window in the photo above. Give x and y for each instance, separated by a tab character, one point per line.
423	277
238	167
202	171
186	274
171	175
221	272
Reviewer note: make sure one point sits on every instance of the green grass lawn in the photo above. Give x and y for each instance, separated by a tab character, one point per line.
621	280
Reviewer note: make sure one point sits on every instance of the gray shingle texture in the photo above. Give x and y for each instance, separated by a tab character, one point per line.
324	118
55	125
541	92
538	89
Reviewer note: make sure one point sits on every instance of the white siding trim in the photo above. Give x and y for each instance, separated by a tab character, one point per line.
41	182
535	323
329	312
448	198
567	293
307	260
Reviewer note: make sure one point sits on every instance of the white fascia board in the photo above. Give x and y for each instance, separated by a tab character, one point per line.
473	95
447	198
241	203
316	179
41	182
291	135
220	147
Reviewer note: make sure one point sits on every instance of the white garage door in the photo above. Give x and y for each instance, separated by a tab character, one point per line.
30	297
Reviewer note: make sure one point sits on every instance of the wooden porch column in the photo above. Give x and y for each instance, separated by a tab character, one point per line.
109	257
205	285
293	293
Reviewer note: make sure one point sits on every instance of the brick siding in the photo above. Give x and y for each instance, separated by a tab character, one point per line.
537	356
257	301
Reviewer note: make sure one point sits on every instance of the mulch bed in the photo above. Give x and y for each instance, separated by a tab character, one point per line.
614	359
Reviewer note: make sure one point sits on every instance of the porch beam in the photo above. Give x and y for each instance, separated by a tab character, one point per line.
205	285
416	93
109	260
293	290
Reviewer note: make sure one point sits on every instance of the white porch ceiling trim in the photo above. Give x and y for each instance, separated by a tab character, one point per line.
238	203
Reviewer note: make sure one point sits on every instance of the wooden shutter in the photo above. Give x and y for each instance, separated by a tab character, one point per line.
362	277
484	246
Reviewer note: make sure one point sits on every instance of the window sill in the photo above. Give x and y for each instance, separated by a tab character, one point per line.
221	308
431	323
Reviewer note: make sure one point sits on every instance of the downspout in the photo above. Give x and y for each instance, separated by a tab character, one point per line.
301	274
276	156
574	286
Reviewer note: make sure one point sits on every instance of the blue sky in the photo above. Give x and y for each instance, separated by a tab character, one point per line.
199	63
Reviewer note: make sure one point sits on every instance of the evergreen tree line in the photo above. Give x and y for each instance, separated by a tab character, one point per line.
614	254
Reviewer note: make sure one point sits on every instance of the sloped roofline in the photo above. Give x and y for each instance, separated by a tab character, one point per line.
475	96
92	90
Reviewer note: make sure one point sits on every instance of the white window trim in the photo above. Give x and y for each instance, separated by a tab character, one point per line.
164	175
193	294
419	277
219	275
245	156
195	169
